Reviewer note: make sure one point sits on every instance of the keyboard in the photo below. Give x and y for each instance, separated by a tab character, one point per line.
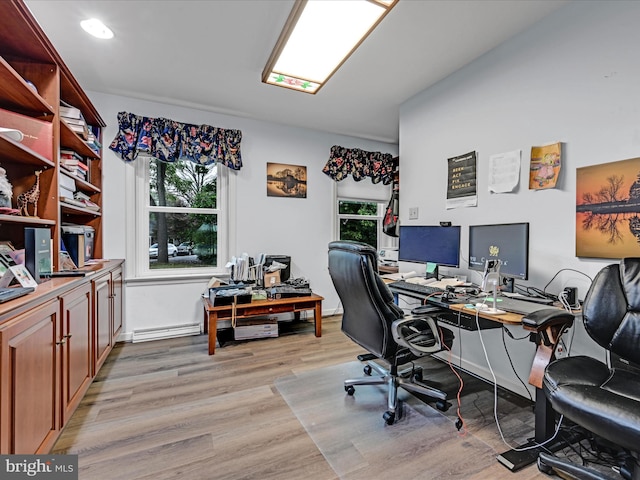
416	288
526	298
10	293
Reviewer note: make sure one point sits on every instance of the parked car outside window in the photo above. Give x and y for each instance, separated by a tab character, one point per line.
185	248
172	250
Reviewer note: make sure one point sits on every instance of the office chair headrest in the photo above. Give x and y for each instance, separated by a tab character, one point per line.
352	246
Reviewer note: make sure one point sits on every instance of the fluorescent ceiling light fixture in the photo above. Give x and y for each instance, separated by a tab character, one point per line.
95	27
318	37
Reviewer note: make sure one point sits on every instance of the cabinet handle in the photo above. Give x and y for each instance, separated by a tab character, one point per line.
69	335
62	342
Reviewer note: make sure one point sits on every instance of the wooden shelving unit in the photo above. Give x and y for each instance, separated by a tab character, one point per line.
28	57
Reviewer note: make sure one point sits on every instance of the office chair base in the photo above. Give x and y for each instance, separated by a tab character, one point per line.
528	453
550	464
409	380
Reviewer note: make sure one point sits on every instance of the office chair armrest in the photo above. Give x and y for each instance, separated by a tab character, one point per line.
417	333
547	317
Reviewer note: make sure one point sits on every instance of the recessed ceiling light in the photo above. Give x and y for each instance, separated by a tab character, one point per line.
318	37
95	27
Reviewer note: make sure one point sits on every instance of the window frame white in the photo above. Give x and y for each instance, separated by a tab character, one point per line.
138	236
383	239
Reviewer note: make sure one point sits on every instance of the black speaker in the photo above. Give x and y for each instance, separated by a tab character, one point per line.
37	252
571	294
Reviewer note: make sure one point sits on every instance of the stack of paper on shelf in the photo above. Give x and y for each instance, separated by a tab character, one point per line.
73	117
66	186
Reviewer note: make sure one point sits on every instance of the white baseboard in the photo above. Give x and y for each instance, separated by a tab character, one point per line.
158	333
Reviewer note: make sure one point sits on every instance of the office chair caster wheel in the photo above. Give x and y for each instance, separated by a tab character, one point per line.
367	370
442	405
349	389
544	468
389	417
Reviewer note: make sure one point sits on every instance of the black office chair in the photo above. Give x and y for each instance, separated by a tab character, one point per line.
603	400
373	321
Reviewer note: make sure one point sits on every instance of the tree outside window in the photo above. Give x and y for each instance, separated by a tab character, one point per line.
360	221
184	205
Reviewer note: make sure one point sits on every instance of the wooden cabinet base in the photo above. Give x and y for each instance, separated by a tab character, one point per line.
48	353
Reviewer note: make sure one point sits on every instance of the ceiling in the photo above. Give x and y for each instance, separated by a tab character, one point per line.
209	55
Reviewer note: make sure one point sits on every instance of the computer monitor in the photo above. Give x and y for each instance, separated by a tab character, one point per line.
508	242
430	244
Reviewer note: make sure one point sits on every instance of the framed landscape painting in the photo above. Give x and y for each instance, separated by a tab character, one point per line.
608	210
286	180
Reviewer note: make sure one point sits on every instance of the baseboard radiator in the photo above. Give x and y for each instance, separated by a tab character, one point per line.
159	333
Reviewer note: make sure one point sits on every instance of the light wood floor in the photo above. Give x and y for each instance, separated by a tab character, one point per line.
166	410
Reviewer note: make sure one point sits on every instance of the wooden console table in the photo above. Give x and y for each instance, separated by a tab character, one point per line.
259	307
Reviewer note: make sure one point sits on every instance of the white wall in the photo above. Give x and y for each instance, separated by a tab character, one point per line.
572	78
301	228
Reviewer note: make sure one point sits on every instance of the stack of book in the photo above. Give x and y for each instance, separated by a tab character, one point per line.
93	143
73	117
86	201
75	163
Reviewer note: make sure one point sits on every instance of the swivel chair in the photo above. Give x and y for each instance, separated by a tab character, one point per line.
372	320
603	400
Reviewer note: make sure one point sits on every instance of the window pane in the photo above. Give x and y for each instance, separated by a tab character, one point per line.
191	240
357	208
360	230
182	184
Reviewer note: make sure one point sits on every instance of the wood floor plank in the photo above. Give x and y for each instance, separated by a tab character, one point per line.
167	410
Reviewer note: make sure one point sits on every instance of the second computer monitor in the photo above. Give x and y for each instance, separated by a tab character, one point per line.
430	244
507	242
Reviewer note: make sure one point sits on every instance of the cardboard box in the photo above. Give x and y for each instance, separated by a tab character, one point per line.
257	327
38	134
271	279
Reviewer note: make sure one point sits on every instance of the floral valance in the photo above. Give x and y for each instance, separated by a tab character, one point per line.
359	164
169	141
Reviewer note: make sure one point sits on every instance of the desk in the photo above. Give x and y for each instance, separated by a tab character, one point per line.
545	348
259	307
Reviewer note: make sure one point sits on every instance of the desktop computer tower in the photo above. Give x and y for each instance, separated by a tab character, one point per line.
285	260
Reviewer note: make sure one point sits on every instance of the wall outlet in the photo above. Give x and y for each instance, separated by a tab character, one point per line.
413	213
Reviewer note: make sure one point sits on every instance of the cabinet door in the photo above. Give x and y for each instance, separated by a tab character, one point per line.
76	348
118	305
29	417
102	320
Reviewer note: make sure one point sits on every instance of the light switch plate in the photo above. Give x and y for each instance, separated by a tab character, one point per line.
413	213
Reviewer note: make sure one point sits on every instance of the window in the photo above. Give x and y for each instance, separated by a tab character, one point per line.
183	208
361	221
